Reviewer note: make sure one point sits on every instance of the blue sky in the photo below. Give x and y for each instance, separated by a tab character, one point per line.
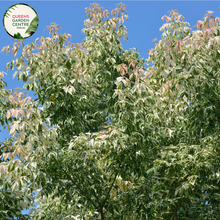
143	24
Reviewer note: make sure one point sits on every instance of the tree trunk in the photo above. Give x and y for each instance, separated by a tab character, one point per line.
101	212
175	212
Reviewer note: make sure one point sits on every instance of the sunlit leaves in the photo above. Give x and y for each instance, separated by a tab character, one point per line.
113	137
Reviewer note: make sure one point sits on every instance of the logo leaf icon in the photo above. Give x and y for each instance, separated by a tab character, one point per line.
33	26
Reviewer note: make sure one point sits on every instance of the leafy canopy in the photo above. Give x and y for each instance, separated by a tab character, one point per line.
106	137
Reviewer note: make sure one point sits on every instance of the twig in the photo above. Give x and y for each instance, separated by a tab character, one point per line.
93	190
110	188
81	191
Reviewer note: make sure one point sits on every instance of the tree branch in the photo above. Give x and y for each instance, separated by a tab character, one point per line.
175	211
81	191
110	189
93	190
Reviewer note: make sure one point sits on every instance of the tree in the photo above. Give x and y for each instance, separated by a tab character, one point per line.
114	140
12	202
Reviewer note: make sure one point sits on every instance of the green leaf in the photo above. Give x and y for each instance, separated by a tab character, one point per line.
24	78
68	64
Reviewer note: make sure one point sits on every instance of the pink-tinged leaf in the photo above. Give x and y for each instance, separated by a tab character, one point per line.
28	51
8	49
124	67
176	47
119	68
104	12
182	58
141	71
130	77
172	11
2	74
12	130
3	49
15	43
122	79
210	12
212	23
107	14
96	21
201	41
182	17
113	24
122	19
181	46
21	112
205	25
210	32
132	64
13	51
217	40
188	40
37	39
69	35
195	45
3	168
20	41
8	115
100	15
16	123
205	17
114	132
150	51
217	19
12	111
6	155
166	18
199	24
122	72
205	34
27	99
16	113
36	54
167	62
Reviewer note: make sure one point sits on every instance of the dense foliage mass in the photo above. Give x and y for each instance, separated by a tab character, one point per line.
107	138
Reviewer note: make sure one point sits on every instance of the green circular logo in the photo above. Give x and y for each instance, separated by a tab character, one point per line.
20	21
